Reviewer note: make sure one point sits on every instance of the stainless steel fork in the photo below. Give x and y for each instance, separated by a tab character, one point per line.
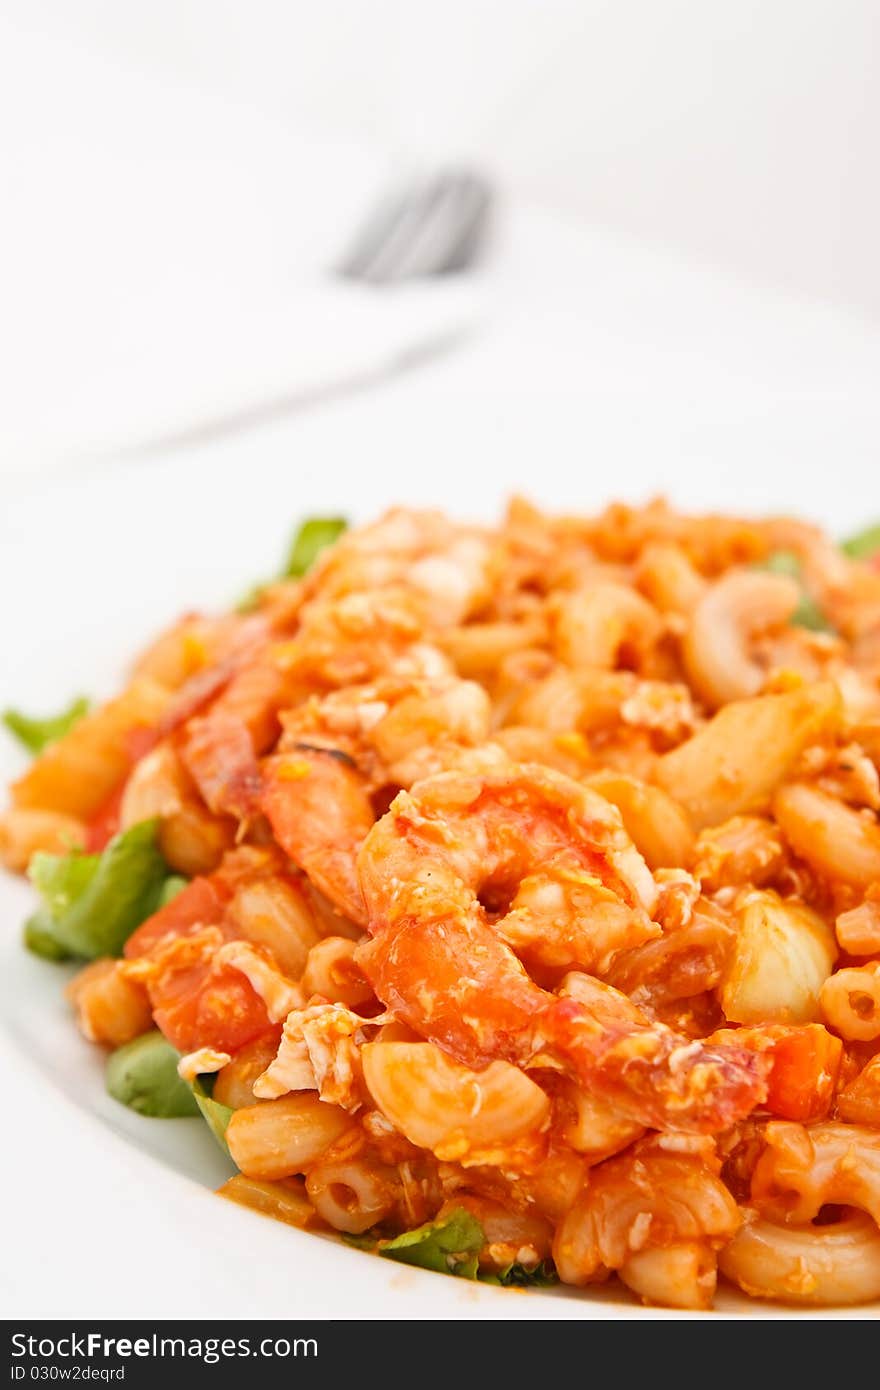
434	226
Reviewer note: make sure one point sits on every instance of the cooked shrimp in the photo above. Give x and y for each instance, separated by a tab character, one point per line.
442	565
214	667
679	965
193	643
318	804
352	639
319	810
465	870
396	730
383	589
222	746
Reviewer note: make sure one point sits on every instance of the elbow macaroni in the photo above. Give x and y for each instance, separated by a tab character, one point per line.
818	1265
736	762
460	1115
782	958
850	1001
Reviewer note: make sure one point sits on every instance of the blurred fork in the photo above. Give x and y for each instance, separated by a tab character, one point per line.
432	227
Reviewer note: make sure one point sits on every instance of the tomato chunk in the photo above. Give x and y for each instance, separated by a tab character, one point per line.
200	903
803	1073
204	1005
197	1002
804	1063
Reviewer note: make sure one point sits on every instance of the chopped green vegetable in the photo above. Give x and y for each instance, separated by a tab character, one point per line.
251	600
783	562
450	1246
863	546
143	1076
39	938
93	902
216	1115
311	538
174	884
808	614
453	1246
367	1240
36	734
542	1276
62	879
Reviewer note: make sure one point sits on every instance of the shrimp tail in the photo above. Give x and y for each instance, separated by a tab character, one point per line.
320	814
219	755
478	1003
654	1075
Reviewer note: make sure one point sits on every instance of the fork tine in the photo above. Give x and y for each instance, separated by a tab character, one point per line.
458	237
430	241
382	227
416	214
475	222
427	230
368	237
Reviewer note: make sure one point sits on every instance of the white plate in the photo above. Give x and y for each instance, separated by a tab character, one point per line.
110	1215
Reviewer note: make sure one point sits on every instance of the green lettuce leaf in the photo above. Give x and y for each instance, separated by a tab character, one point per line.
39	938
36	734
808	614
863	546
174	884
93	902
216	1116
62	879
250	600
542	1276
143	1075
367	1240
450	1246
453	1246
311	538
783	562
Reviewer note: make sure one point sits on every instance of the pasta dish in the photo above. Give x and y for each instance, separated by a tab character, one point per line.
506	899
